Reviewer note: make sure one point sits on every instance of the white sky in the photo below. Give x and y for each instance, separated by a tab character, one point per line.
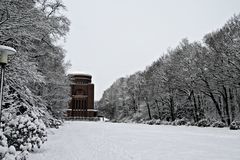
110	39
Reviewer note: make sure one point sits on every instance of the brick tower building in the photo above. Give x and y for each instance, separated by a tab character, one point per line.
82	97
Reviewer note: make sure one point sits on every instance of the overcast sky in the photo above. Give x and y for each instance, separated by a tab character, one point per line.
110	39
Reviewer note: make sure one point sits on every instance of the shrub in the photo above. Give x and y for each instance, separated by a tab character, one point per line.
218	124
203	123
158	122
191	124
166	123
10	153
235	125
25	132
151	122
141	121
115	121
137	117
55	123
144	122
180	122
3	145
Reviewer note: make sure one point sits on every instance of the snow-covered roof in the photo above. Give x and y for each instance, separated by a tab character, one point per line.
6	48
78	73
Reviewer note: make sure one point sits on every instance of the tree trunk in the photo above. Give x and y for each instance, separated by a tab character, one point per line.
159	113
195	107
217	107
149	111
231	99
237	100
214	101
200	108
226	104
220	102
134	106
172	108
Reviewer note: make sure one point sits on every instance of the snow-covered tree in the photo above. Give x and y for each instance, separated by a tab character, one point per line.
198	82
35	90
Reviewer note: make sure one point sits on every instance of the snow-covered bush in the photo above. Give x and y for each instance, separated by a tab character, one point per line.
190	123
137	117
203	123
166	123
235	125
3	145
151	122
114	121
158	122
141	121
25	132
218	124
179	122
55	123
10	153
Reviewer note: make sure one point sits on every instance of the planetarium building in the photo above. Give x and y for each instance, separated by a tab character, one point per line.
81	104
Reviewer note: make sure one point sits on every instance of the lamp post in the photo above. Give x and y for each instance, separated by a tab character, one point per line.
4	52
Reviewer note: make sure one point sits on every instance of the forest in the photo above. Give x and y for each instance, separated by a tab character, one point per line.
195	83
35	85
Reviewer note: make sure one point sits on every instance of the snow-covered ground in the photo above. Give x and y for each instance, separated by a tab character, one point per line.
111	141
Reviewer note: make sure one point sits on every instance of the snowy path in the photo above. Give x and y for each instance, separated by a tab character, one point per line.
112	141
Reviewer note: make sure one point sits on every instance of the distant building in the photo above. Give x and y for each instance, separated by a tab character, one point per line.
82	97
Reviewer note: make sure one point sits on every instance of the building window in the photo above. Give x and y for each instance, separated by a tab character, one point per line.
80	92
85	103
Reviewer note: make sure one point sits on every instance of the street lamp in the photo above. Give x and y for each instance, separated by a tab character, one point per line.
4	52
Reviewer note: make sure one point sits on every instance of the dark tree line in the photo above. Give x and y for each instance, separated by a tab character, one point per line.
195	80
